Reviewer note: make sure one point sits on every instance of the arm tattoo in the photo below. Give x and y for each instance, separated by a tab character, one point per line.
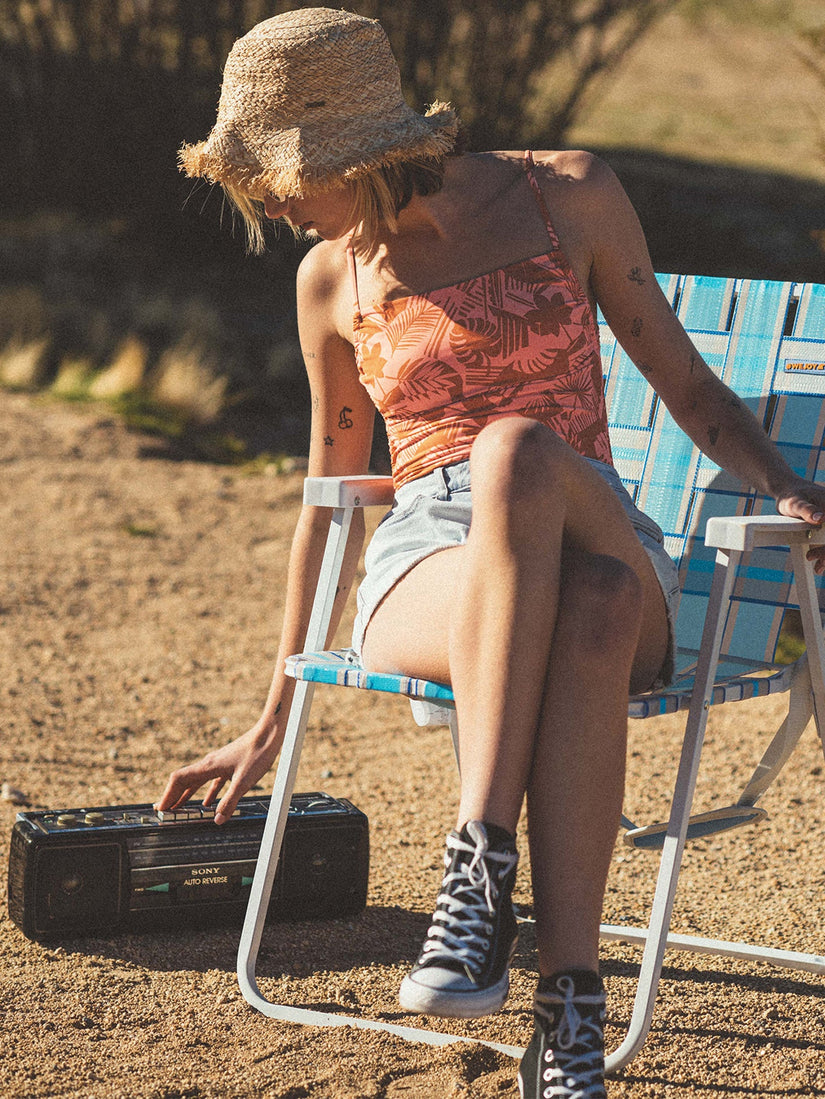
713	433
636	327
645	368
316	403
344	421
329	441
308	354
692	362
636	276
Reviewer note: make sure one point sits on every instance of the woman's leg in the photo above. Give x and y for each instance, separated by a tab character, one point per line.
540	623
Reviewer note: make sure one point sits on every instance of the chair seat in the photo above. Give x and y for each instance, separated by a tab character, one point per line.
341	667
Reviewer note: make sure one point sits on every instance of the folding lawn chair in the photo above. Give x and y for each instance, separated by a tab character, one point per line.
767	341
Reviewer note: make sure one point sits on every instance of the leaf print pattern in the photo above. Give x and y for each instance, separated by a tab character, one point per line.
520	340
424	384
442	365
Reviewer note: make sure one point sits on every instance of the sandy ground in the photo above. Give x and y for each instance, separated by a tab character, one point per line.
138	618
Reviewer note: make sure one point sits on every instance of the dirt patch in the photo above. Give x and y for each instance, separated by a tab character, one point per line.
138	620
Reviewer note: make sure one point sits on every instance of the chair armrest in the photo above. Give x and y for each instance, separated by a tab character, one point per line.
362	491
747	532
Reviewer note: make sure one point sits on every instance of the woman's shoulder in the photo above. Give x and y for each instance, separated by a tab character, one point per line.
323	276
570	163
567	175
323	267
575	169
578	180
323	286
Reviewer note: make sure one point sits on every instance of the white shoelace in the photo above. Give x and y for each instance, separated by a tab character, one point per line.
572	1074
461	927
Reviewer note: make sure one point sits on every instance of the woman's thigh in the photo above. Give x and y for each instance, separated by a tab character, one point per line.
409	631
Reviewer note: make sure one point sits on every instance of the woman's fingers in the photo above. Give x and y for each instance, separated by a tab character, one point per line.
213	790
185	782
809	506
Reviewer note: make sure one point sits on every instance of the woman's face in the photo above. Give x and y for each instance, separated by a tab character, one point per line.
328	215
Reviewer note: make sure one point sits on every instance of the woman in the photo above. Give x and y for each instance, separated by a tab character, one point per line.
457	294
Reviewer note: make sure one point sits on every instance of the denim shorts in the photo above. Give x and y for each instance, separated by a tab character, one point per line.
433	513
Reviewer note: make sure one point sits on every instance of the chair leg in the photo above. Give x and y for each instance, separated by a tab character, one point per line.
270	849
674	842
812	632
776	755
743	952
271	841
656	936
774	758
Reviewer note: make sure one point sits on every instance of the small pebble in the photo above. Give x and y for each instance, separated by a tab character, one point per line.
12	794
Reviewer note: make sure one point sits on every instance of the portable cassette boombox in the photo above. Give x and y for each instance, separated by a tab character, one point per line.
127	867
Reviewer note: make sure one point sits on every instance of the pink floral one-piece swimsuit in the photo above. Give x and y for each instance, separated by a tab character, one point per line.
517	341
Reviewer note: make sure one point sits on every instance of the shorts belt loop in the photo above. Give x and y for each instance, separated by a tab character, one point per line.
444	483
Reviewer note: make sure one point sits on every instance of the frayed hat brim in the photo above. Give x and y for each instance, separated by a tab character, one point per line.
300	168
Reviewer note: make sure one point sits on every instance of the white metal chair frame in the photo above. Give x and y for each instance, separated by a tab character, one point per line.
733	537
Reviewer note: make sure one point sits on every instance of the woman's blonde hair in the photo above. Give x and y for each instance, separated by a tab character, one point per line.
379	196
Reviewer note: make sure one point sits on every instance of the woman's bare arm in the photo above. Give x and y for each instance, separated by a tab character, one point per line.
640	316
340	442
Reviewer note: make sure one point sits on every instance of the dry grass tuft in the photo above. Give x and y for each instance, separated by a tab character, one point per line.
73	378
188	381
23	362
124	374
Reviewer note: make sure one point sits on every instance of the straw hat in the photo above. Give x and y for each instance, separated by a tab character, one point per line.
312	98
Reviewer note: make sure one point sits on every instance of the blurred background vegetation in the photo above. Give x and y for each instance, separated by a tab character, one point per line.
122	282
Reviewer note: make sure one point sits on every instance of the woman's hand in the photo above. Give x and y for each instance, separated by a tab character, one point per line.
241	763
806	500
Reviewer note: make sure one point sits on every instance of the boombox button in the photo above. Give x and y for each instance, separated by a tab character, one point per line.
94	818
167	816
66	820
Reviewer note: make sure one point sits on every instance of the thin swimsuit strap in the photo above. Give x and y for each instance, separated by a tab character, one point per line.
353	274
529	166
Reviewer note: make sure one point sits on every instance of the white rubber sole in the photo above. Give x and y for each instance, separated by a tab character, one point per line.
447	1004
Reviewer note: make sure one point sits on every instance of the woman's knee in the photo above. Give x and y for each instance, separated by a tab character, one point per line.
517	459
600	606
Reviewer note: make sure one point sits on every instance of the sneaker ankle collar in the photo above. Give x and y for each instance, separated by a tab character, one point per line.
586	982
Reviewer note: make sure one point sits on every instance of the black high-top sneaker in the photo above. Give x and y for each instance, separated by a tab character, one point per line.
565	1059
463	968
